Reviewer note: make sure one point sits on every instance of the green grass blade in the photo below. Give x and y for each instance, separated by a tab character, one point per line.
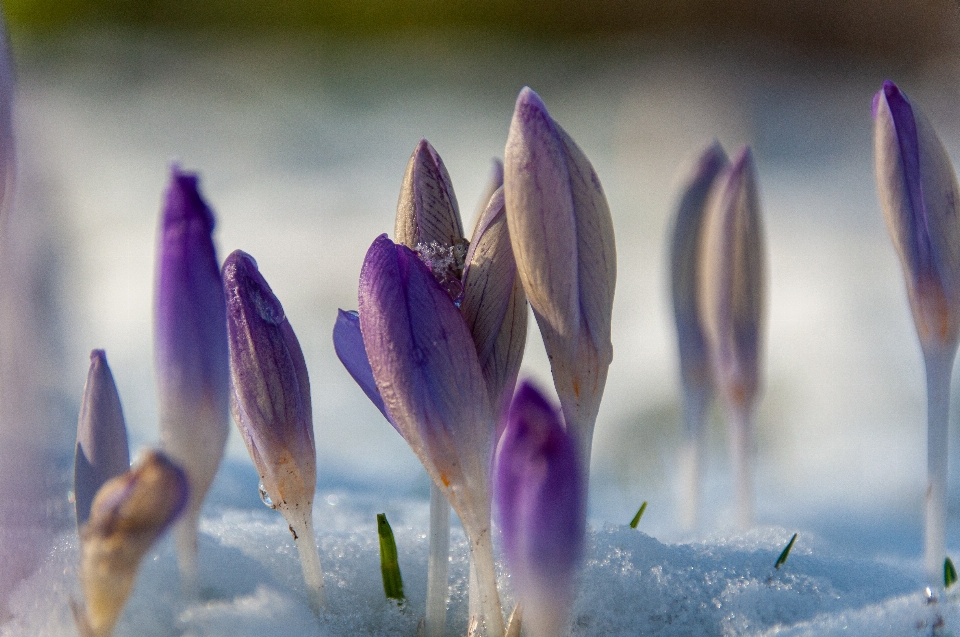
786	552
389	563
636	519
949	573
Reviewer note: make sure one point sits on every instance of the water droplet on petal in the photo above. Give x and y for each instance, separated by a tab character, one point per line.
265	496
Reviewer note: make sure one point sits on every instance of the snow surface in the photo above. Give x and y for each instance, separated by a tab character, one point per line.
631	584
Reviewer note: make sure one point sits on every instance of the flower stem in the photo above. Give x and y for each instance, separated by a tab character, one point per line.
741	454
185	534
939	367
305	540
691	460
481	557
438	563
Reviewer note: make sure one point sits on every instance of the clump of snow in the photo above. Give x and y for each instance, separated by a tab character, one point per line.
631	584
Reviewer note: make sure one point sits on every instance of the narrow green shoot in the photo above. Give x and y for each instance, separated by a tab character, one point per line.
786	553
389	563
949	573
636	519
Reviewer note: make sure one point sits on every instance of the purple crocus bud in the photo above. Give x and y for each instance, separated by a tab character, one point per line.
428	218
129	514
731	292
270	401
494	304
102	451
542	511
919	194
732	305
190	345
562	237
348	344
425	364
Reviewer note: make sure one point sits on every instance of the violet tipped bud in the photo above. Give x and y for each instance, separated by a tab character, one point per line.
129	514
732	300
685	256
919	194
494	304
562	237
270	401
542	511
102	451
190	344
270	389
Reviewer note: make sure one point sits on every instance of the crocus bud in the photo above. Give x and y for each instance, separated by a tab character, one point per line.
102	451
685	274
542	511
270	401
494	304
562	237
494	183
732	305
919	194
190	341
425	363
427	210
128	514
731	292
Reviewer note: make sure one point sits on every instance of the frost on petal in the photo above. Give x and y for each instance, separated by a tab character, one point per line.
541	216
540	503
732	294
348	343
427	210
424	362
494	305
270	385
684	269
102	451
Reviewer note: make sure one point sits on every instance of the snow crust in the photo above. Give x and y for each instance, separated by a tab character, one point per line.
631	583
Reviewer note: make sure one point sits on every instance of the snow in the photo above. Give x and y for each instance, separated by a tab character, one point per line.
631	584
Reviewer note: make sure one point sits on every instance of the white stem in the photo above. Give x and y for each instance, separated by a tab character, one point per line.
473	604
691	461
185	533
939	366
481	556
741	454
438	563
305	540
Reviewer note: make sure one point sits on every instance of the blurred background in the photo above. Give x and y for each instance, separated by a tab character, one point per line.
300	117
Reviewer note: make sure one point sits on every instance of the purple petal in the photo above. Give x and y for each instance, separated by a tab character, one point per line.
424	362
427	210
541	505
684	261
348	343
102	451
270	394
190	331
494	183
494	305
732	290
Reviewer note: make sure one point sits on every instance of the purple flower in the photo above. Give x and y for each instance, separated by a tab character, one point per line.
494	304
129	513
190	332
919	194
542	511
685	258
427	210
348	344
562	237
102	451
731	292
270	400
270	390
